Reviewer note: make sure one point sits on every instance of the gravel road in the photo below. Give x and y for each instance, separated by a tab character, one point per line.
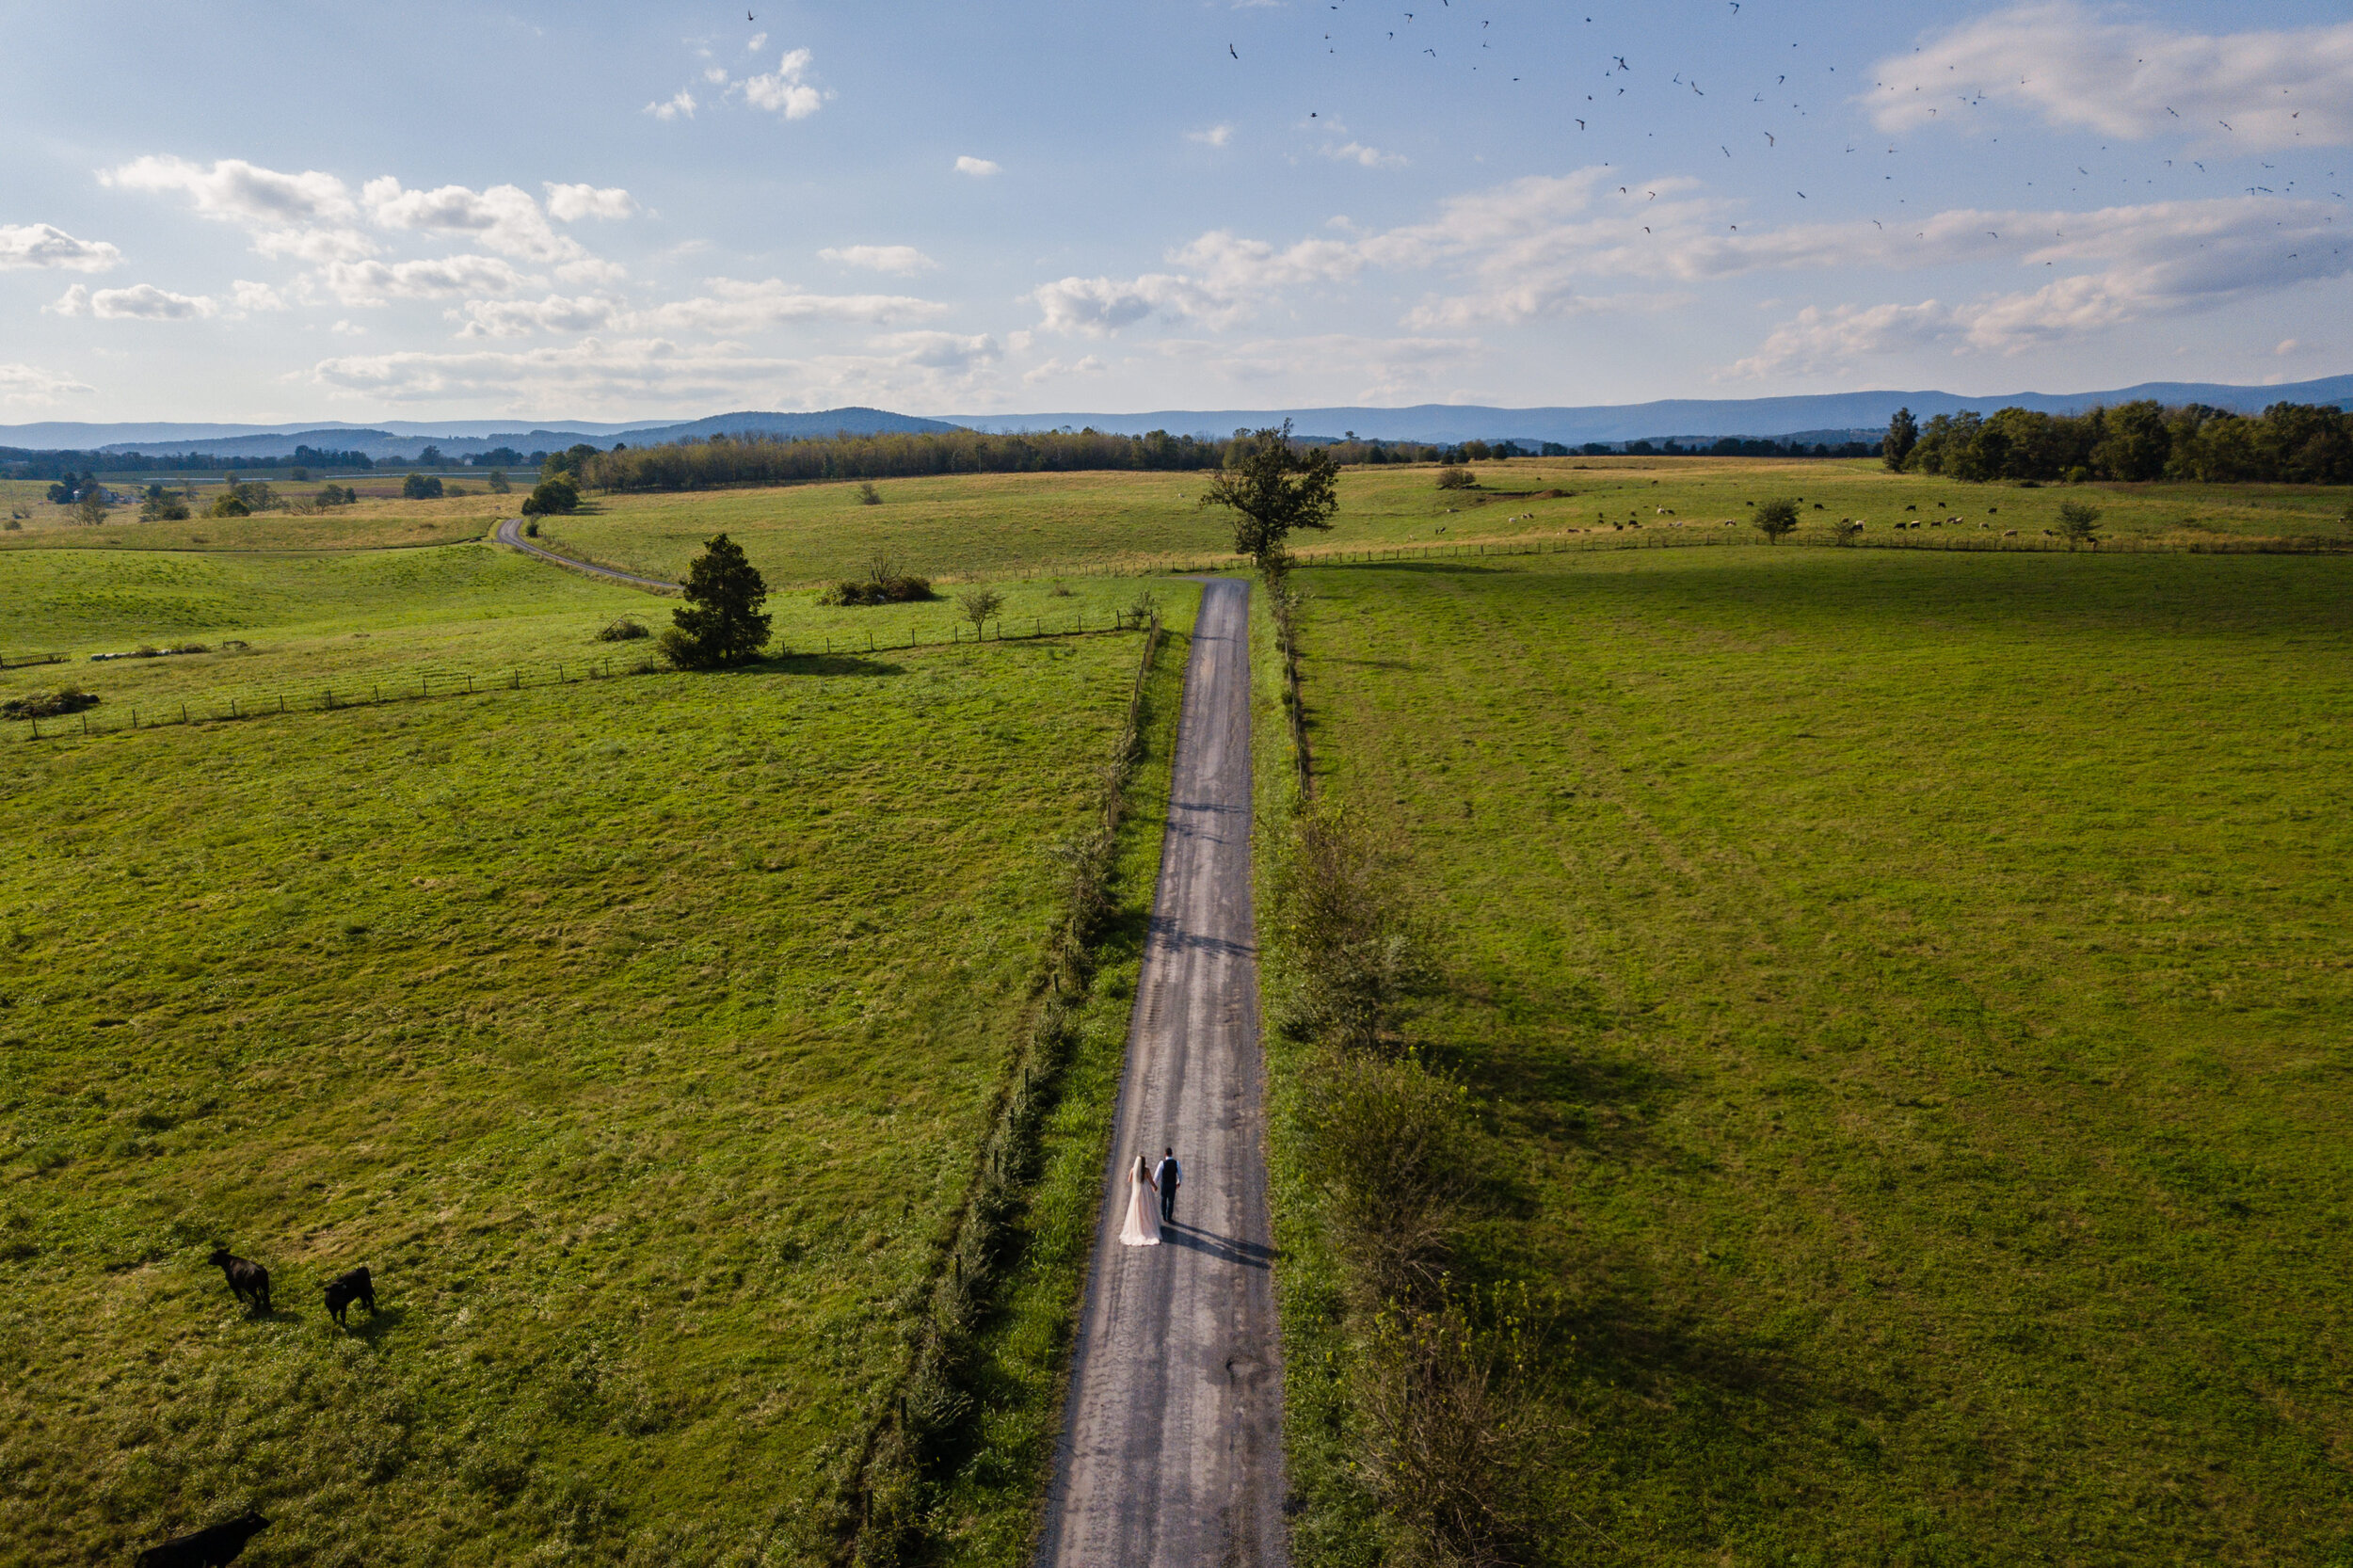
1172	1454
511	533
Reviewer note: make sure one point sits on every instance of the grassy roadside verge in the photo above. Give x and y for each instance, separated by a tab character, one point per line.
1333	1524
960	1466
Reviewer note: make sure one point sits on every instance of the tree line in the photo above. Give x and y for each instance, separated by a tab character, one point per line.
2297	443
752	459
18	462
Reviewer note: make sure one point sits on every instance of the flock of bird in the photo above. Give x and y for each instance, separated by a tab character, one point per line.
1595	109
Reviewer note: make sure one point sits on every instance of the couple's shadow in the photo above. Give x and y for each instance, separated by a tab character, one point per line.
1249	1255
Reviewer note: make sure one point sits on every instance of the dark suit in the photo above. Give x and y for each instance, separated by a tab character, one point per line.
1167	1175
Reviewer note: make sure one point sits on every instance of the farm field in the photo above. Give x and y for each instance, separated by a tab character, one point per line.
1024	525
1908	998
637	1033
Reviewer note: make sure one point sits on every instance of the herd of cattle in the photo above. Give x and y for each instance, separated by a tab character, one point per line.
217	1545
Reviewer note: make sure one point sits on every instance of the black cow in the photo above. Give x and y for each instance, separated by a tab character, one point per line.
250	1281
346	1289
209	1548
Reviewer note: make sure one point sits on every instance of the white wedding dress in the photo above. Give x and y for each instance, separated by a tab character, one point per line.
1142	1228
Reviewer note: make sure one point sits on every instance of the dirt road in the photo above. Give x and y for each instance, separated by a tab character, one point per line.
511	533
1172	1453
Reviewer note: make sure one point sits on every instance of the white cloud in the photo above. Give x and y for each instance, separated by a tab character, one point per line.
1216	135
760	42
348	330
733	305
908	368
787	90
2154	262
503	219
374	283
1338	367
570	203
899	259
29	386
1369	158
1099	306
980	169
27	244
140	302
232	189
2121	78
1090	365
681	103
519	318
1224	277
247	296
316	246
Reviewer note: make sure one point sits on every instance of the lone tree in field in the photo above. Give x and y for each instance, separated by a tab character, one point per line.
1775	518
980	607
1903	434
2078	524
1273	488
721	622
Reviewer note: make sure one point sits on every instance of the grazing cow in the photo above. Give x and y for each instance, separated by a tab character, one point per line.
209	1548
2009	533
346	1289
250	1282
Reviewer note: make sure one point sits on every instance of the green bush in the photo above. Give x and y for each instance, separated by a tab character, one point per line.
1454	477
2079	523
557	495
1393	1150
420	487
1775	519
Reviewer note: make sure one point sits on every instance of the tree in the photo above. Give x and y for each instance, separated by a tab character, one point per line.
1775	518
92	507
557	495
1903	434
1456	477
159	504
2078	523
1273	488
721	622
429	458
980	607
868	495
420	487
498	482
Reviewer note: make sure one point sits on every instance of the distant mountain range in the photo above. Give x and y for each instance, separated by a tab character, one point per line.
399	439
1830	416
1818	417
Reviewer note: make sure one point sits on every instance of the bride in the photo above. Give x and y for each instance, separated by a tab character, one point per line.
1142	1228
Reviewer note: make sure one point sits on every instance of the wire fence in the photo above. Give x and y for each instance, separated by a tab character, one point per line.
333	693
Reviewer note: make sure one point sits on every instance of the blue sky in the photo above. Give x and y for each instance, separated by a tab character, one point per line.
224	212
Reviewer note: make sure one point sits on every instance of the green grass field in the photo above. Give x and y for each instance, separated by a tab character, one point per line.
636	1033
1909	995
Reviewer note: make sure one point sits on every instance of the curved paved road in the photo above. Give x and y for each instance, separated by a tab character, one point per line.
1172	1454
511	533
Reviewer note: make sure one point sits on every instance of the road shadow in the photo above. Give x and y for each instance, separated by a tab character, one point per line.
1175	1233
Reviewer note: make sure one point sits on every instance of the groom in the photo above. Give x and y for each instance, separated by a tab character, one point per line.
1166	1176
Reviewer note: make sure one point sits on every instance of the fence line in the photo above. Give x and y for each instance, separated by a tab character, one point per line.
26	660
329	696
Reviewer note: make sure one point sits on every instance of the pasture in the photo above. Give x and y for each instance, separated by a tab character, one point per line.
1907	995
637	1034
1015	525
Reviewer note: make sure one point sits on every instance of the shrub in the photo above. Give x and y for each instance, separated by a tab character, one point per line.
1359	959
890	591
332	494
1843	532
48	705
1457	1440
228	505
92	508
1393	1150
555	495
868	495
1455	476
531	529
626	630
1775	519
499	485
980	606
15	525
420	487
2079	523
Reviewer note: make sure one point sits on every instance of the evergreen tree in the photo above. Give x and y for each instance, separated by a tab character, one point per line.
1903	434
721	622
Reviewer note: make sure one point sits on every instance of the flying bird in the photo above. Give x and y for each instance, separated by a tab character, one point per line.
1769	141
1580	125
1231	50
